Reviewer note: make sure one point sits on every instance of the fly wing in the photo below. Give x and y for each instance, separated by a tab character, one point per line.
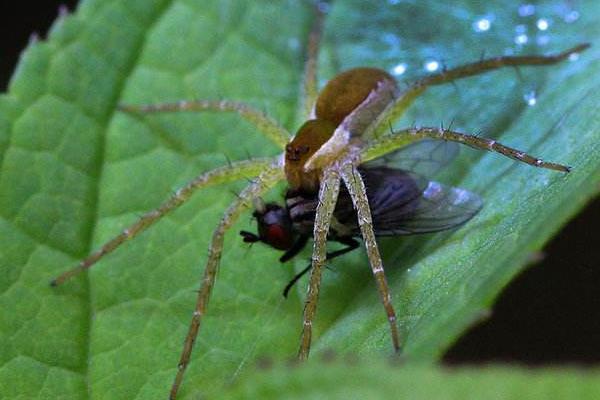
403	203
425	157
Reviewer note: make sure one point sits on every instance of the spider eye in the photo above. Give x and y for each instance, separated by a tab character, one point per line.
293	153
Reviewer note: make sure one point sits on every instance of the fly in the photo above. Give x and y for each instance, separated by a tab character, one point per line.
403	201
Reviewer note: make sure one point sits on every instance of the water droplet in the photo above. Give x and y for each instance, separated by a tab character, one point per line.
323	6
391	39
482	24
399	69
572	16
526	10
542	24
432	191
432	66
530	98
573	56
521	39
293	43
542	40
520	28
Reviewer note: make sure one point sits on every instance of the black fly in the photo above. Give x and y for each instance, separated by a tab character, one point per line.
402	201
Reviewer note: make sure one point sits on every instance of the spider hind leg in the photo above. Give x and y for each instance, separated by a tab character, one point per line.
406	97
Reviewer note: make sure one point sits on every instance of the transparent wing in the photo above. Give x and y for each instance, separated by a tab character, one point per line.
403	203
425	157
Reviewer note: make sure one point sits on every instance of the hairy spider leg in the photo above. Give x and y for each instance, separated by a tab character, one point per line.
265	181
351	244
401	138
265	124
400	100
230	173
375	129
310	88
328	194
396	109
358	193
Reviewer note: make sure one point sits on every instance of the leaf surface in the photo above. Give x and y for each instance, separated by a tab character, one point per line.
75	172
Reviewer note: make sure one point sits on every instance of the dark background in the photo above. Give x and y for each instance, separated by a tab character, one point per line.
549	314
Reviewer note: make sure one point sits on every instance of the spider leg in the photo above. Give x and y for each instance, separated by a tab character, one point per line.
309	82
407	96
269	176
225	174
401	138
356	188
328	194
265	124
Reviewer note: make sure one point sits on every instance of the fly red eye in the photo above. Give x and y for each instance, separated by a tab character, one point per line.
278	237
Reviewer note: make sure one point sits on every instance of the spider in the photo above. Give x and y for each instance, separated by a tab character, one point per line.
347	124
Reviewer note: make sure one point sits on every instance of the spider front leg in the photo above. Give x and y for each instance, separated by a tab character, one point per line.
233	172
328	194
401	138
263	123
357	190
266	180
406	97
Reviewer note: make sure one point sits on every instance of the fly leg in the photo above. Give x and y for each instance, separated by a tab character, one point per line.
351	244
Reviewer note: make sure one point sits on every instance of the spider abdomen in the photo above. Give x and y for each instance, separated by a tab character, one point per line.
348	90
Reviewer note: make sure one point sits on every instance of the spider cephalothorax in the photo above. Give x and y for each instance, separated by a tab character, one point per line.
347	124
362	92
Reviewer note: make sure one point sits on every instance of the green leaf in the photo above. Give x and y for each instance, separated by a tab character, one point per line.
343	379
75	172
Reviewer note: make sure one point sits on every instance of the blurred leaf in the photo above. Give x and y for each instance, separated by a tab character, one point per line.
75	171
379	380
